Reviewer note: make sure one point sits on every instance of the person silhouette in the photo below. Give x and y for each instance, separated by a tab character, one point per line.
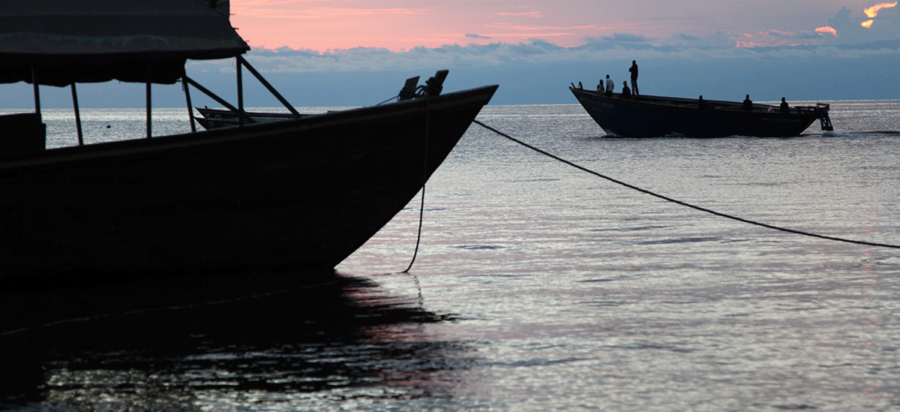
748	104
634	76
625	92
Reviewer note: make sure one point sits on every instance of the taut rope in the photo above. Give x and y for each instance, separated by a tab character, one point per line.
668	199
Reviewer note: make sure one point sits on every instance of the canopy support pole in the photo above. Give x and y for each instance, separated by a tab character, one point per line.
218	99
268	86
240	92
149	82
187	98
77	115
37	93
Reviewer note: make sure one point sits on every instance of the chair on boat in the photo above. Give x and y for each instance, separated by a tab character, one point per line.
432	87
408	92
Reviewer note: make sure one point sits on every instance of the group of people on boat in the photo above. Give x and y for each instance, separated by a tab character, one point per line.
748	105
626	92
608	88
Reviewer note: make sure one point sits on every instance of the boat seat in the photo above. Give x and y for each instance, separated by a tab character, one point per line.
408	92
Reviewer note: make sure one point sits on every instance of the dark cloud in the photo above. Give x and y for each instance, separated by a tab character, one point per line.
626	38
804	35
476	36
885	26
618	41
537	72
685	37
845	26
720	45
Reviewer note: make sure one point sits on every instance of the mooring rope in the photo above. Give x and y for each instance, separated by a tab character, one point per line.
389	99
424	179
679	202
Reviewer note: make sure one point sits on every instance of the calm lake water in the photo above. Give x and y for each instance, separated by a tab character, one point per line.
540	287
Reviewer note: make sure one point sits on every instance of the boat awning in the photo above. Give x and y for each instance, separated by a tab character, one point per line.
103	40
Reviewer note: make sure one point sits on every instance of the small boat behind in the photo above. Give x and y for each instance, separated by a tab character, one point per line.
221	118
224	118
658	116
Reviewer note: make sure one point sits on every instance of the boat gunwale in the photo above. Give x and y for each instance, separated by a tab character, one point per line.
269	130
732	108
254	114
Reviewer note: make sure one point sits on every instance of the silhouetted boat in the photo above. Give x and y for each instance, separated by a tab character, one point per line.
298	194
219	118
657	116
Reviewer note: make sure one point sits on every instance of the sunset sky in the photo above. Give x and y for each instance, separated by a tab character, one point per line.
802	49
398	25
358	52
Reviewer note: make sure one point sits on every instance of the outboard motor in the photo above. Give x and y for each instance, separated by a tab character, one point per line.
824	119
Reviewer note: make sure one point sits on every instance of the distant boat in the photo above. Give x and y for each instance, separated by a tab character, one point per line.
221	118
657	116
298	194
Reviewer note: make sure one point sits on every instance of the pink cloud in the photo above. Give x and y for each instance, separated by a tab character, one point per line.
871	12
827	29
526	14
322	12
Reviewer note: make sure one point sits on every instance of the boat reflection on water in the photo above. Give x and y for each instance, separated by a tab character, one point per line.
306	344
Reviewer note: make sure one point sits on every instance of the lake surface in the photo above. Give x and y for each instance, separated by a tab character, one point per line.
541	287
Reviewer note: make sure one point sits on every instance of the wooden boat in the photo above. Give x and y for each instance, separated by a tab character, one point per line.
298	194
657	116
221	118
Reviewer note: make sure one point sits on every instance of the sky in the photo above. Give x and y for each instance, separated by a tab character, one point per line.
399	25
359	52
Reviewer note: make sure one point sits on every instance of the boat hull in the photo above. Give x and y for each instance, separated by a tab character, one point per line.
652	116
294	195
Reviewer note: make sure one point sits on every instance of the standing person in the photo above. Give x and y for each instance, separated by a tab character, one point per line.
748	104
610	86
634	75
600	88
